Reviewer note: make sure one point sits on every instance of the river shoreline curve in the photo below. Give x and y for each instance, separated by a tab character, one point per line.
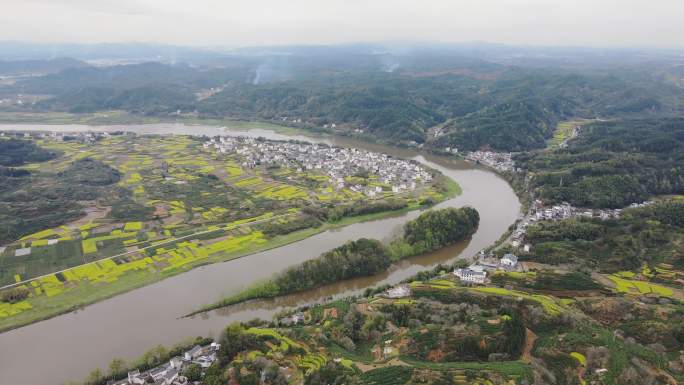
127	324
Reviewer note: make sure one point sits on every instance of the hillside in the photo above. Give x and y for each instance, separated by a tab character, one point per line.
611	164
444	333
475	103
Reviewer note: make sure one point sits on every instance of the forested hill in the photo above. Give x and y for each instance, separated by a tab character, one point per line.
612	164
16	152
439	99
19	67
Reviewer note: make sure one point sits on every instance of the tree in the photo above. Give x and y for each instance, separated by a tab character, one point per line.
14	295
95	377
332	374
435	229
116	368
193	372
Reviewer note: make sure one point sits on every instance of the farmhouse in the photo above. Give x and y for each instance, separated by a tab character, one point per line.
472	274
193	353
134	378
170	372
509	261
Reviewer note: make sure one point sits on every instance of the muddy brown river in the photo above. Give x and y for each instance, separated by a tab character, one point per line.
67	347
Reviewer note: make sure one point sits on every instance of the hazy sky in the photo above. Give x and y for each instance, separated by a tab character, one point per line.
259	22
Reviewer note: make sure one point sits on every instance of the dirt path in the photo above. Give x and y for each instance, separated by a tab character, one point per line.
530	338
603	280
393	362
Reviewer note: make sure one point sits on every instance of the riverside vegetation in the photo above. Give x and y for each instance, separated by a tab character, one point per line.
432	230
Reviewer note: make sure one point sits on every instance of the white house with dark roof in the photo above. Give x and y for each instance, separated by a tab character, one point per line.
471	275
509	261
134	378
193	353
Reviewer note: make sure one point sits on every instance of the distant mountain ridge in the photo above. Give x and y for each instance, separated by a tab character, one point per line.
20	67
439	96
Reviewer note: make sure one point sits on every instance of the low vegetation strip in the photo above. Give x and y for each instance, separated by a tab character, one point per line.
514	368
549	304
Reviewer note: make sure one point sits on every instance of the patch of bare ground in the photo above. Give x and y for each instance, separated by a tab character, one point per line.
530	339
91	213
174	219
572	293
559	269
393	362
603	280
580	373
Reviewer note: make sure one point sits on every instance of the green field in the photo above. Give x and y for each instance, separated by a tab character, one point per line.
564	131
631	286
186	208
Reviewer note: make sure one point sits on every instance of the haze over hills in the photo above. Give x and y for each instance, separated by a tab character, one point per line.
438	95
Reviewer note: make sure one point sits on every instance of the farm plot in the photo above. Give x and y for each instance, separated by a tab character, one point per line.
631	286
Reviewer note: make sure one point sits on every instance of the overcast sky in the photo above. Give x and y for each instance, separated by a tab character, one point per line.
270	22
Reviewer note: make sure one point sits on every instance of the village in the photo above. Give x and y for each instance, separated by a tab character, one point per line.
539	212
172	372
80	137
337	163
500	161
476	273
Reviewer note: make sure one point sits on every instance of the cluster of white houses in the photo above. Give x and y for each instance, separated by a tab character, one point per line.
565	211
477	272
82	137
538	212
170	373
500	161
335	162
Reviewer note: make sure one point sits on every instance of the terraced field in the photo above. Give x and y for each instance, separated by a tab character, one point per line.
564	132
632	286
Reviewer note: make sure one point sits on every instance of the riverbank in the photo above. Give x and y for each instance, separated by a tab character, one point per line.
149	315
430	232
124	118
44	307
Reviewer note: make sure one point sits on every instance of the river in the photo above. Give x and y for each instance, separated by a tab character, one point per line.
67	347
